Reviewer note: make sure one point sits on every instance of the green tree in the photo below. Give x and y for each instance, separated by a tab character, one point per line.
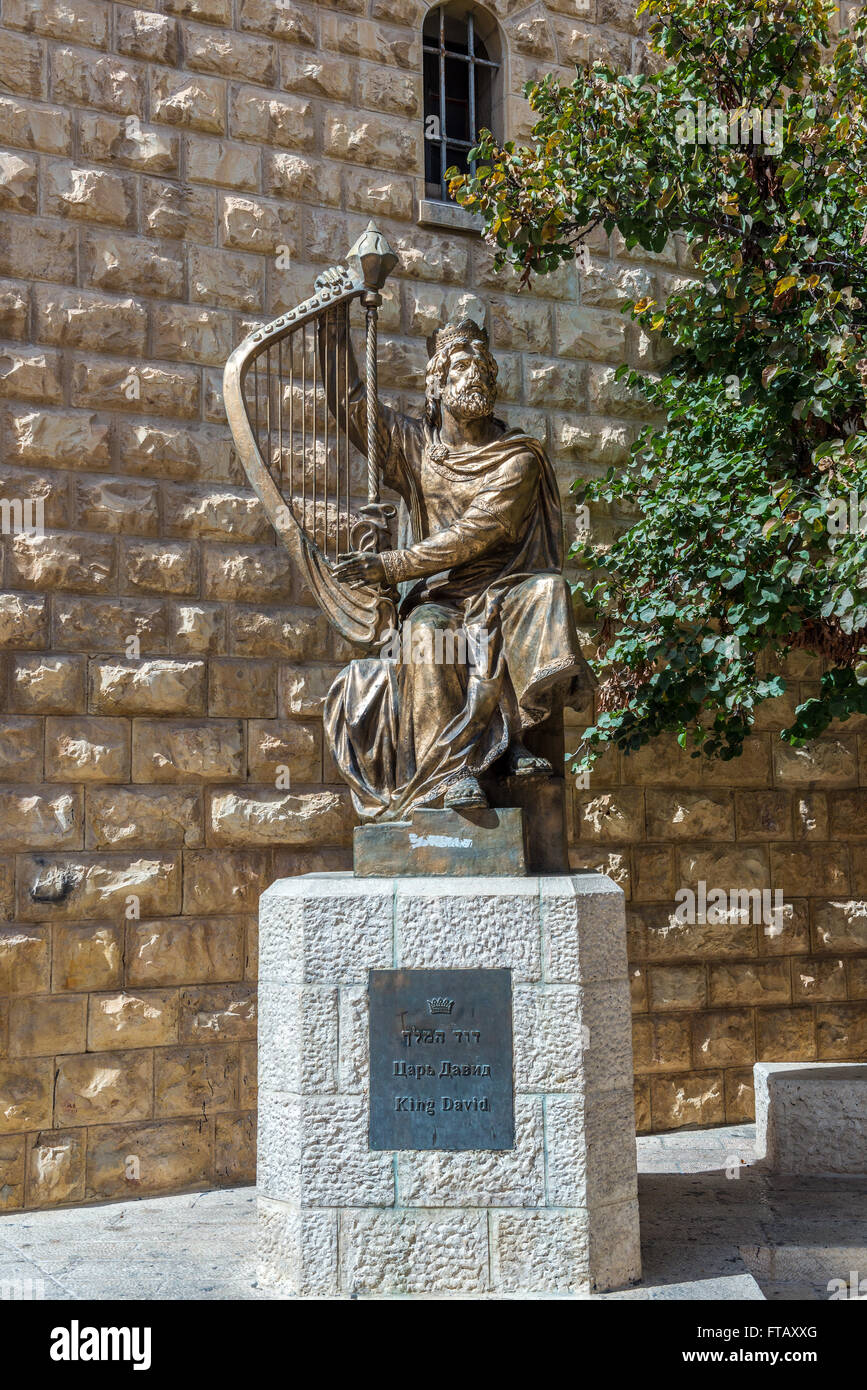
739	552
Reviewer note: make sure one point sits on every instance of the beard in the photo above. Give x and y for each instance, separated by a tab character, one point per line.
472	404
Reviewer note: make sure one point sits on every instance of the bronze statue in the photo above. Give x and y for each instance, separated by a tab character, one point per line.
469	613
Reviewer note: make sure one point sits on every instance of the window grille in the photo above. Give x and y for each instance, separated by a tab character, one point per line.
459	76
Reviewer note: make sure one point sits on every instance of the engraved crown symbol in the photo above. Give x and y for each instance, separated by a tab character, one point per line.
441	1005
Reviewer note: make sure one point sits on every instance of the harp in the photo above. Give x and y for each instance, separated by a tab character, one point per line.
286	390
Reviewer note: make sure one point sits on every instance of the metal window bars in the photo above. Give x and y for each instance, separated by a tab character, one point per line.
473	60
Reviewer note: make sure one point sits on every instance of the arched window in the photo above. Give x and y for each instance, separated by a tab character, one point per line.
462	62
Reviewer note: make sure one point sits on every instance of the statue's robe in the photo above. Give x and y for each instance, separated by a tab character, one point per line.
485	566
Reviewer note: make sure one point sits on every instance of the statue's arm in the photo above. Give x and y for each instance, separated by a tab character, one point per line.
494	518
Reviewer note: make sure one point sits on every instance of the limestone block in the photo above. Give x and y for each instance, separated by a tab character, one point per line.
677	987
275	744
297	177
460	924
302	691
185	334
270	119
30	127
785	1034
823	761
78	887
221	162
722	1039
55	1168
297	1250
810	871
615	1245
24	960
377	43
26	1086
616	816
29	374
87	958
34	250
40	818
750	983
235	1149
108	139
506	1178
244	687
818	979
22	64
606	1030
159	566
545	1251
168	750
230	54
285	22
840	926
266	817
313	1152
103	1088
225	277
162	390
298	1026
184	950
209	11
17	182
132	1018
228	575
20	752
413	1252
661	1043
135	1160
218	1013
11	1146
841	1031
178	98
315	74
95	624
353	1033
198	628
47	1025
120	263
811	1118
296	633
110	83
23	620
100	504
153	37
223	880
693	1100
174	210
332	931
195	1080
148	687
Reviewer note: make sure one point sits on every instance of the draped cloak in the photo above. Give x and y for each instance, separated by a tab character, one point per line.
483	571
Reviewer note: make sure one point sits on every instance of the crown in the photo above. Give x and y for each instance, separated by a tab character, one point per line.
440	1006
459	331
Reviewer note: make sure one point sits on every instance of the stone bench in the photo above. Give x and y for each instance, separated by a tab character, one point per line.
811	1117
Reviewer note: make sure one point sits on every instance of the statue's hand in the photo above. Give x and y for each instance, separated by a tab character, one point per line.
360	567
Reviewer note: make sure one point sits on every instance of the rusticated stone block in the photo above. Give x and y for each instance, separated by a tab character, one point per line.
111	624
265	817
811	1118
132	1018
247	688
184	950
20	750
145	817
104	1088
76	887
55	1167
46	1025
270	119
23	620
195	1080
87	958
148	687
184	99
218	1013
25	1094
22	63
11	1152
785	1035
823	761
235	1149
692	1101
223	881
24	960
29	127
168	750
134	1160
159	567
40	818
662	1043
109	83
141	34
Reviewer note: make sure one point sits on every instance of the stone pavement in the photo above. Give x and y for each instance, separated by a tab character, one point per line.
706	1234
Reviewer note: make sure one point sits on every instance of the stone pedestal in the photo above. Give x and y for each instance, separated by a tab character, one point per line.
557	1214
811	1117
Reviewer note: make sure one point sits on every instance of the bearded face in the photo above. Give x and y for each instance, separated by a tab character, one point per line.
469	393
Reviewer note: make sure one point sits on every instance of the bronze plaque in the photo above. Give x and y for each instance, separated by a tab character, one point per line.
441	1059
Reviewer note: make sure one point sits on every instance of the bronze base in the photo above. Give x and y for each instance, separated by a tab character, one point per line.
436	843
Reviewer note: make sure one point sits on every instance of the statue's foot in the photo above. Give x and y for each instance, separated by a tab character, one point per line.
466	792
523	763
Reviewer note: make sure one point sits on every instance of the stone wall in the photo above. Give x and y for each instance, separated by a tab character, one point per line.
160	655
